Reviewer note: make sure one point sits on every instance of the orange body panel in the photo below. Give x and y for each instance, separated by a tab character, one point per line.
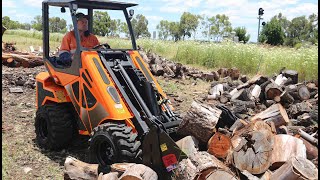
118	111
59	93
63	78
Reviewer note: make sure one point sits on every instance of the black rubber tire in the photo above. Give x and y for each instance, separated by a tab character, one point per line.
55	126
113	142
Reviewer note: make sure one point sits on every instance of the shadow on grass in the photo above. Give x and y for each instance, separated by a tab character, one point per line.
78	148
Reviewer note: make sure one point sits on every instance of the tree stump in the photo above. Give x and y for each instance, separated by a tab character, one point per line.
200	121
254	150
139	172
296	168
275	113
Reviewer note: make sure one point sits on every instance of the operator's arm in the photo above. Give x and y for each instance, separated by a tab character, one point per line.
65	44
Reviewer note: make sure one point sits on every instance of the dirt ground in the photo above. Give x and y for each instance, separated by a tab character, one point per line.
22	158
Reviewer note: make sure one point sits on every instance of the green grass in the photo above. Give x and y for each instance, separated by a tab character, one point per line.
249	58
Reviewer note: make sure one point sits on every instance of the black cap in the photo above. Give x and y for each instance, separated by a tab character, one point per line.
81	15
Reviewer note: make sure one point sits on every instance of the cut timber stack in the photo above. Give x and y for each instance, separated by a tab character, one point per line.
17	60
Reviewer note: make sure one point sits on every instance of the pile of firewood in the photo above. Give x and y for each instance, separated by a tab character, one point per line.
19	59
264	128
162	67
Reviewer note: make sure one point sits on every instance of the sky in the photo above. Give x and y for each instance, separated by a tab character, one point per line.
241	13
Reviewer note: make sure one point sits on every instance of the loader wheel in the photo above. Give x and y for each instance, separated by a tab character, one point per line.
54	125
113	142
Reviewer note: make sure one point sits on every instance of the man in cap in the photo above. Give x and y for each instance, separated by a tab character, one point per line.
69	44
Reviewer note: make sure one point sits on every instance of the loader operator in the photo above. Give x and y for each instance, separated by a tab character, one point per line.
69	44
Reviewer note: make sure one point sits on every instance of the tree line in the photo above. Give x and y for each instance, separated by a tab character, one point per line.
278	31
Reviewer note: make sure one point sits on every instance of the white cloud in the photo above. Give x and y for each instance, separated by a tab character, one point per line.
33	3
8	4
141	8
179	6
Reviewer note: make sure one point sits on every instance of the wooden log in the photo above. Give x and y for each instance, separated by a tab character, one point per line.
234	73
285	97
275	113
280	80
242	94
285	146
139	172
109	176
308	137
121	167
223	72
291	74
156	69
255	93
200	121
200	166
216	91
76	169
253	152
188	145
295	169
216	75
244	78
299	108
272	90
303	92
219	145
185	170
312	151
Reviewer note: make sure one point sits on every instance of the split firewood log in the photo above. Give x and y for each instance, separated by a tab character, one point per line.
296	168
275	113
253	147
200	121
234	73
312	151
139	172
201	166
188	145
272	91
76	169
285	146
121	167
219	145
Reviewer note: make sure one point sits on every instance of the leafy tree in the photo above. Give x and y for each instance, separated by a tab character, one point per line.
241	33
37	23
113	27
220	26
174	31
297	31
188	24
25	26
164	29
140	26
124	29
313	28
57	24
9	24
272	33
101	23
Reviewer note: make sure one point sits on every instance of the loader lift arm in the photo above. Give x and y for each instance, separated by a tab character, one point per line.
163	154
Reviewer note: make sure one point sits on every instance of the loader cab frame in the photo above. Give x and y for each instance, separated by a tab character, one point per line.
73	6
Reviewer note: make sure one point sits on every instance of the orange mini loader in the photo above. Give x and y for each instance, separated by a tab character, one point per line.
107	94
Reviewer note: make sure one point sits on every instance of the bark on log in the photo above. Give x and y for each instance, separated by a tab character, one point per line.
297	109
200	166
295	169
219	145
308	137
156	69
275	113
285	97
223	72
200	121
285	146
242	94
253	152
234	73
76	169
255	93
280	80
216	91
188	145
139	172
